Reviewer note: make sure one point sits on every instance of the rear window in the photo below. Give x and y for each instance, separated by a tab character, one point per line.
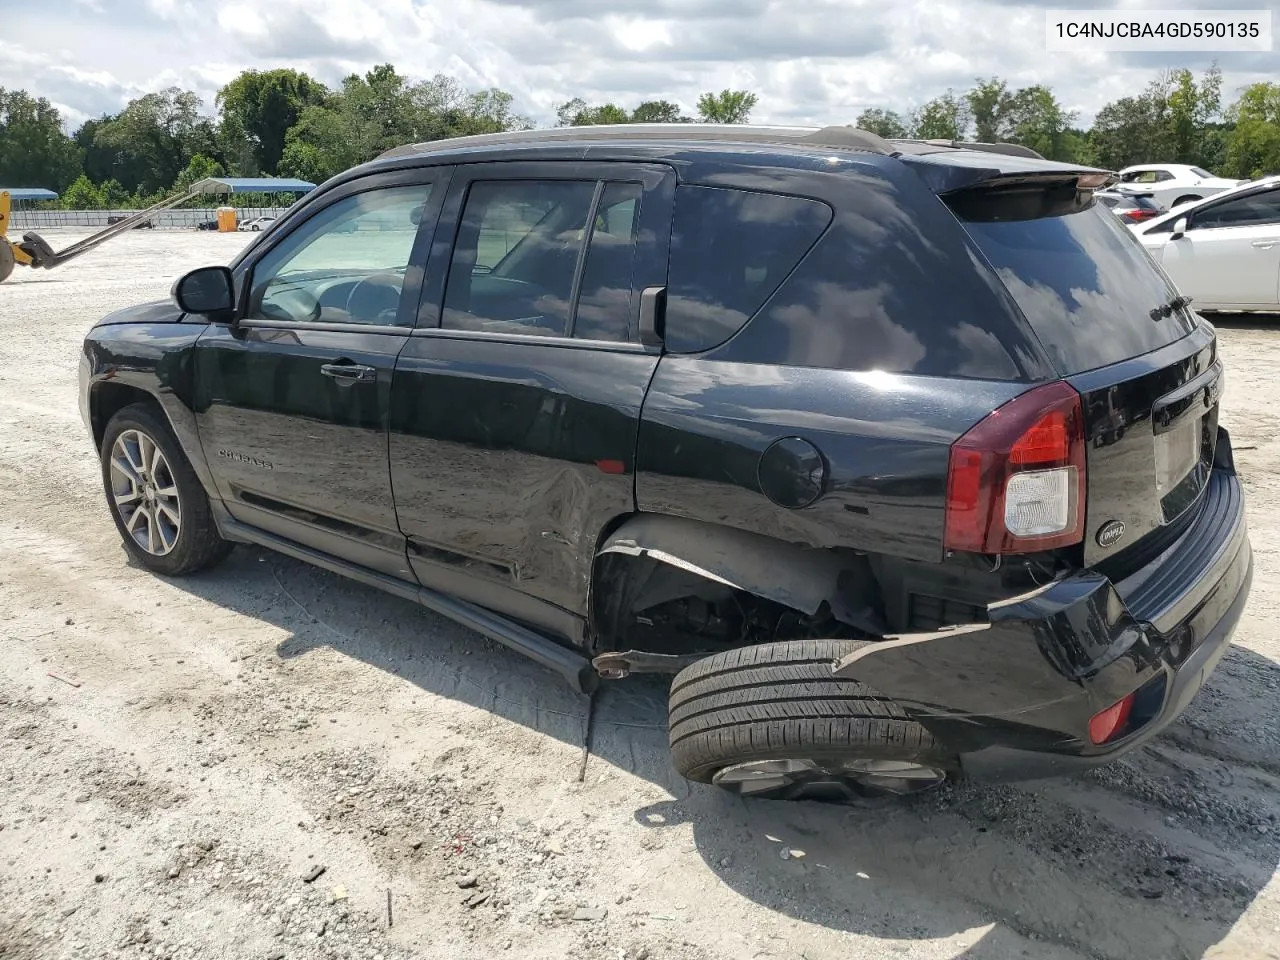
1083	281
730	250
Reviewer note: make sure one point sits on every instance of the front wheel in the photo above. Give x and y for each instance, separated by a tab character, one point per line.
773	721
155	498
1187	199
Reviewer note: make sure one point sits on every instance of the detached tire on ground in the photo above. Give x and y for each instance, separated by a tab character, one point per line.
771	721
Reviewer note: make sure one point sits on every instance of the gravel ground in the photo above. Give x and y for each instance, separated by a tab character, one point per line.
268	761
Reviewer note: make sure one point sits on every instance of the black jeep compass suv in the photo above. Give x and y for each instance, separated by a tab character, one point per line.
903	457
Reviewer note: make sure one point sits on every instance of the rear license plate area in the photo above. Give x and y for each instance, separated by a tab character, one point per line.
1183	459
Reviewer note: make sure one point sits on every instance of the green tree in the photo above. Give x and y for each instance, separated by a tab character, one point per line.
381	110
1128	131
989	105
99	160
1253	143
1035	119
327	140
263	104
942	118
115	195
578	113
199	168
34	151
659	111
83	194
885	123
1171	120
1192	107
154	138
727	106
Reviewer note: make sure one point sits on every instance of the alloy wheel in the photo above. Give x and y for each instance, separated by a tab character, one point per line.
832	780
144	493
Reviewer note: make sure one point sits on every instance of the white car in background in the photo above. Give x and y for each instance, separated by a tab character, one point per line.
257	224
1173	184
1222	252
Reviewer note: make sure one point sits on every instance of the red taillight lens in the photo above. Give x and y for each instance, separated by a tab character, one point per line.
1016	480
1138	215
1105	724
1045	443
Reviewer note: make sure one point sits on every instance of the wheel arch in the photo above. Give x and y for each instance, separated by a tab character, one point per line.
802	578
107	398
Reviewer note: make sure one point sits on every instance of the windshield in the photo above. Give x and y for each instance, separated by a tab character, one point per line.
1083	281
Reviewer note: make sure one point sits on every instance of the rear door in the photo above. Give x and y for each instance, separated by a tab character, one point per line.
515	403
1230	255
1150	381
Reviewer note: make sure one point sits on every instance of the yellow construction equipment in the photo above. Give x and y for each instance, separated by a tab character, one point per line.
34	251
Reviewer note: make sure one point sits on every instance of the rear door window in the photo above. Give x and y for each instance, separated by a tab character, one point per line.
1083	281
604	301
730	250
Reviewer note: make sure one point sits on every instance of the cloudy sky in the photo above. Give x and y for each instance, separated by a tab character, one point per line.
811	61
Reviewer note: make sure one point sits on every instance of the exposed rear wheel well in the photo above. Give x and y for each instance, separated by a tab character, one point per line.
670	585
107	399
1187	199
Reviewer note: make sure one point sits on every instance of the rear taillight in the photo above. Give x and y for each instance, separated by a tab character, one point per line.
1016	480
1138	215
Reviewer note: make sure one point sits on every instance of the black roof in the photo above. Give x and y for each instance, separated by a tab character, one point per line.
834	138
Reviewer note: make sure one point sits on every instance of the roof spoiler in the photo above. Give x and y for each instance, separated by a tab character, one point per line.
1008	149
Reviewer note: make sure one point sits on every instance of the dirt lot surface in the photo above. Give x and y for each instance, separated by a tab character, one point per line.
235	733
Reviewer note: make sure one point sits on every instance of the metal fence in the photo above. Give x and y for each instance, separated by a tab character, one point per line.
184	219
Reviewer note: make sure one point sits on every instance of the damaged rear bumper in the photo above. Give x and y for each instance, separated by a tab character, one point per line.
1014	697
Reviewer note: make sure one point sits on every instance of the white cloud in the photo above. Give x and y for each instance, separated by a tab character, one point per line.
810	61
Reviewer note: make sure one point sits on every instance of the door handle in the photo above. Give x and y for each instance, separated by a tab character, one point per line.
653	301
350	372
1265	244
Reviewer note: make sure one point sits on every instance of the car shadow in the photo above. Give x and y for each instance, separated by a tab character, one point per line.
1158	855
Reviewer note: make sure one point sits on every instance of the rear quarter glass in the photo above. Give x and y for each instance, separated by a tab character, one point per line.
730	250
1082	280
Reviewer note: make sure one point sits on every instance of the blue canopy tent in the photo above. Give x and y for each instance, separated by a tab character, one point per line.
225	185
28	193
23	195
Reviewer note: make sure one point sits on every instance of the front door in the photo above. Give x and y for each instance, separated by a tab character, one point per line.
292	399
515	405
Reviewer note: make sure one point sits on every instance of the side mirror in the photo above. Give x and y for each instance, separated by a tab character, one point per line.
207	291
1179	229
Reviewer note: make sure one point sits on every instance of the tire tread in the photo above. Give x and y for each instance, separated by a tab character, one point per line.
778	699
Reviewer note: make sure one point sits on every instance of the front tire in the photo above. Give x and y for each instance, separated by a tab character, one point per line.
155	498
772	721
1186	199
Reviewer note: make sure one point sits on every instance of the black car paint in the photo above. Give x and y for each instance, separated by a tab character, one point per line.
689	431
262	397
884	439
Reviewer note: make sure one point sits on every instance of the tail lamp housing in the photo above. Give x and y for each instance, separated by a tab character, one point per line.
1016	480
